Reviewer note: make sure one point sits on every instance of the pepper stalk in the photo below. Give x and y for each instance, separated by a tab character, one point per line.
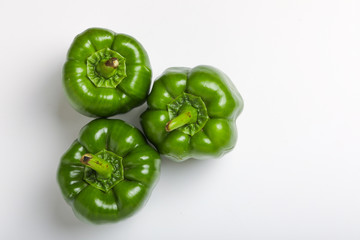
101	166
188	114
107	68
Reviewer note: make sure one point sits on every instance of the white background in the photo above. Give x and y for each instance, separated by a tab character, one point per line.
295	171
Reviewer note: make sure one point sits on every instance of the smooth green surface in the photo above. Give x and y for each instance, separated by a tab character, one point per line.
97	93
141	167
223	104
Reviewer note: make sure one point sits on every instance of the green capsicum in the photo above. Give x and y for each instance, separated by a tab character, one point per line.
108	172
106	73
192	113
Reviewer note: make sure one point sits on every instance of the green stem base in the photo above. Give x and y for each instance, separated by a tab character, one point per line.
103	170
187	113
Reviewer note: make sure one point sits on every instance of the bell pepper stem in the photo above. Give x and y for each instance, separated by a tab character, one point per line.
107	68
102	167
187	115
112	62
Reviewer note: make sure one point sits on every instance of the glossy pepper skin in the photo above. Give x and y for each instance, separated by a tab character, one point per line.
106	73
108	172
192	113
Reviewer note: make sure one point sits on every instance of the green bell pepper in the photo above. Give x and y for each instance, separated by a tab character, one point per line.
106	73
108	172
192	113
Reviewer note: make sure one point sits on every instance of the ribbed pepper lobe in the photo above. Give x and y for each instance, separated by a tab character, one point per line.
169	122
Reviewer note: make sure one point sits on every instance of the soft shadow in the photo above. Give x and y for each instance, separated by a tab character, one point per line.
63	120
68	119
62	214
191	168
62	125
133	116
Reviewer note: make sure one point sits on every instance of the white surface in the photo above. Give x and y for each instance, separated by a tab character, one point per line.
295	171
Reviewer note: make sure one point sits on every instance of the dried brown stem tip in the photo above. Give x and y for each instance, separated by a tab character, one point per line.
112	62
